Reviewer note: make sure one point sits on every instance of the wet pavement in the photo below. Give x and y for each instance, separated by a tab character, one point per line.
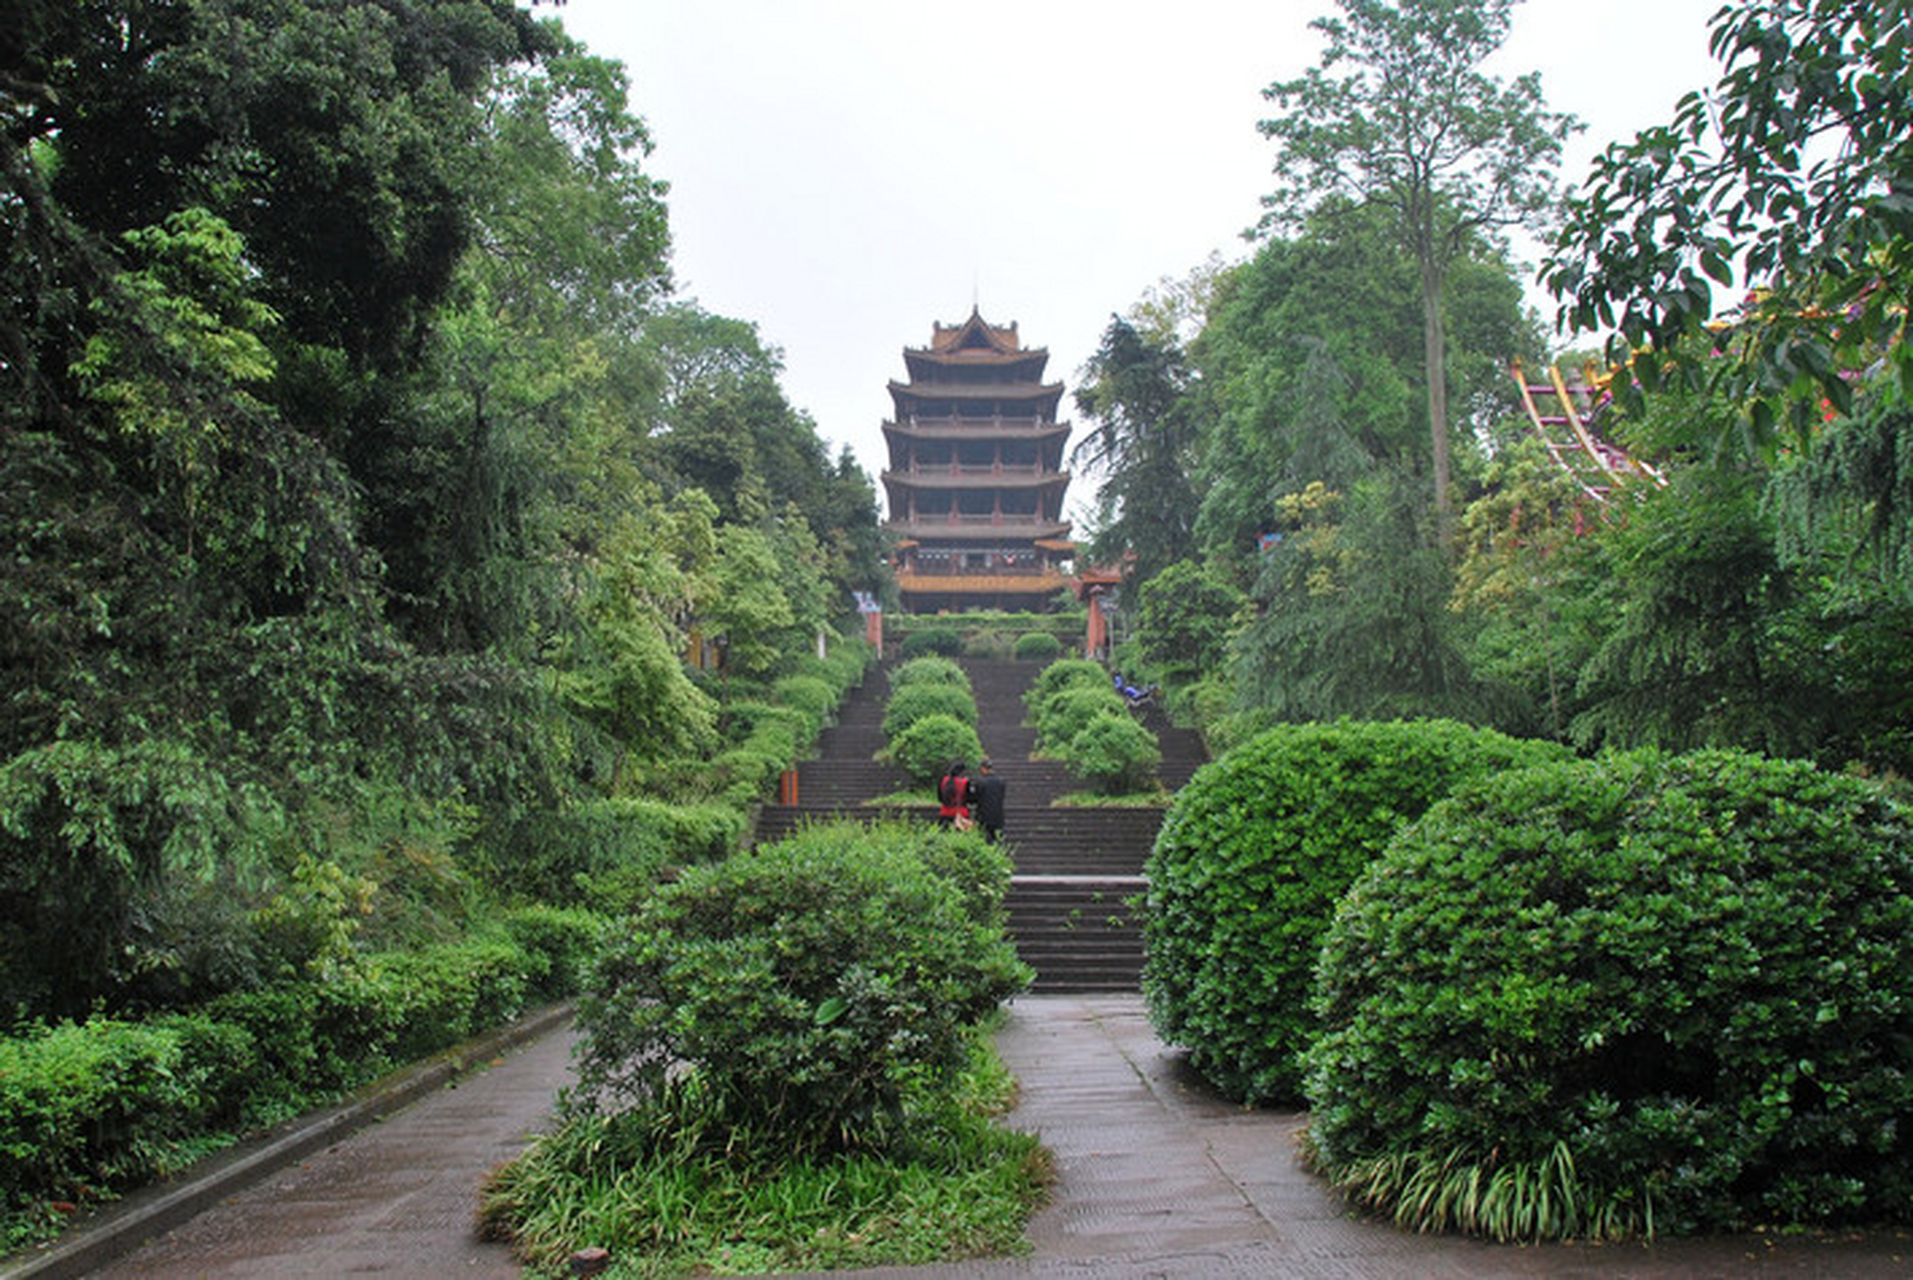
1156	1177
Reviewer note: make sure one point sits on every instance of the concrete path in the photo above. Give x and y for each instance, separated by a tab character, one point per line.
351	1190
1156	1178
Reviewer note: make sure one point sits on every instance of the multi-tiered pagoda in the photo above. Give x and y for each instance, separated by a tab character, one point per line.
976	480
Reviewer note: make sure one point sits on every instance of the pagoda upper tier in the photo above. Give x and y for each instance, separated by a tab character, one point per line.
975	483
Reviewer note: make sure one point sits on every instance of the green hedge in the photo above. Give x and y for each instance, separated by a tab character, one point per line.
933	640
597	854
1245	873
1639	992
98	1107
1062	674
928	746
1114	754
912	703
794	989
1037	646
1067	712
928	670
812	695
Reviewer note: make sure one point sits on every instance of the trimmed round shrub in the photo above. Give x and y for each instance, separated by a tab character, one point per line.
1062	674
1036	646
1114	754
927	747
944	640
811	695
1068	711
913	702
1635	994
931	670
1252	856
793	991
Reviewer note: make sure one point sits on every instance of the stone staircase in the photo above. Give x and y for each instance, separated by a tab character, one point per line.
1076	869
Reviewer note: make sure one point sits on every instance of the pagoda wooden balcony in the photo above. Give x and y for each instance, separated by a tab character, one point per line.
994	424
930	524
933	570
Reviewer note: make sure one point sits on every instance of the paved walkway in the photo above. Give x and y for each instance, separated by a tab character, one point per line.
1156	1178
1159	1178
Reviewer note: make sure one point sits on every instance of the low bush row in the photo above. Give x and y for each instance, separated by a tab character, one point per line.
98	1106
930	717
1081	720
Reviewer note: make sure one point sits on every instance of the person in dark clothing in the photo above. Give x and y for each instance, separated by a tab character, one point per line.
986	796
953	796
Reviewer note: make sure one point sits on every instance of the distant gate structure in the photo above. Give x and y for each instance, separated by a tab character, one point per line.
975	480
1561	413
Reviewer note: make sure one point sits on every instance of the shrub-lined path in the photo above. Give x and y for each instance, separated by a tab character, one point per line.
1157	1177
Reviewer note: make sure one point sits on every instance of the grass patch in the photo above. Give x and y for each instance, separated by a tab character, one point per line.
1097	800
916	798
947	1184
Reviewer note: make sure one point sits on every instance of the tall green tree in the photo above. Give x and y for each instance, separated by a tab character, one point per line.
1399	116
1135	391
1791	180
1308	364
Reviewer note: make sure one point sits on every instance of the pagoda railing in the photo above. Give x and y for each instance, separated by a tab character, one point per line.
993	469
943	520
995	422
923	570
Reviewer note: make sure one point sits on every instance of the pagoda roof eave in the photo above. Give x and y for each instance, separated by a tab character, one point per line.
1032	532
977	390
948	429
922	481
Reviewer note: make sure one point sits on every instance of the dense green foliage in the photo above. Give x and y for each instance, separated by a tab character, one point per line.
1642	993
1399	117
927	747
1742	192
1067	712
1114	753
388	556
106	1104
1254	853
929	669
947	641
1063	674
783	1066
911	703
339	400
795	991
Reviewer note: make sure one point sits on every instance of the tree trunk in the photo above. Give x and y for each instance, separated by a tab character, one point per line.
1435	356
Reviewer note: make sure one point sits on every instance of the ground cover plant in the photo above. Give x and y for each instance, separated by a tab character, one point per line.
1245	873
1631	995
797	1022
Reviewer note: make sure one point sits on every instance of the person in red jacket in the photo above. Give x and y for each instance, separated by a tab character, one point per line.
953	797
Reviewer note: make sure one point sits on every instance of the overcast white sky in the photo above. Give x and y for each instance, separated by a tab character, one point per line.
845	172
